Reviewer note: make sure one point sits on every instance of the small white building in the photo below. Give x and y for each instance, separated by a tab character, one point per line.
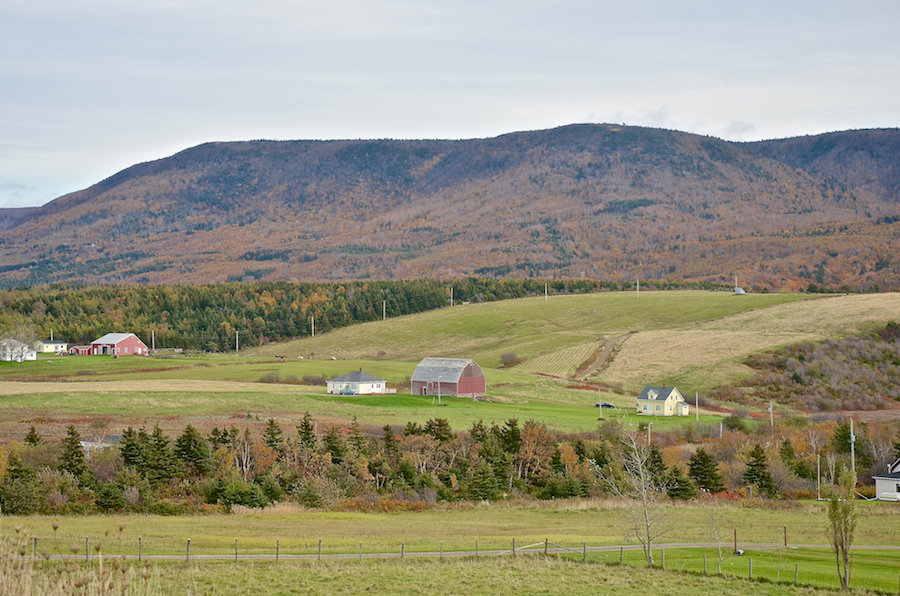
357	383
12	350
662	401
887	486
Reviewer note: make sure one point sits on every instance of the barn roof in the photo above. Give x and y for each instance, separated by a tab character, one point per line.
113	338
444	369
356	377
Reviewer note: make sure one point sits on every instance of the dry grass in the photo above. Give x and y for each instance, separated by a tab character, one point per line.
701	356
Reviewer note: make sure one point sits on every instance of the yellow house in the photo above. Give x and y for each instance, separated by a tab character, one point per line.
662	401
51	347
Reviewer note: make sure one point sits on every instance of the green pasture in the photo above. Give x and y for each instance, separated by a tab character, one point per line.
527	326
289	403
521	575
567	523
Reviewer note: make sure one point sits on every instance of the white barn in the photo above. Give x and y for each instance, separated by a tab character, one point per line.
357	383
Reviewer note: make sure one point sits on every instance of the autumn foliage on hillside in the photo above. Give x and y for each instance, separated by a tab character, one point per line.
853	373
607	202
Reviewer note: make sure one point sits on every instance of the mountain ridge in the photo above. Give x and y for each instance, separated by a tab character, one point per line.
598	200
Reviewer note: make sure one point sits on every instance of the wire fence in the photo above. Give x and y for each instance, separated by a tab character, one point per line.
800	565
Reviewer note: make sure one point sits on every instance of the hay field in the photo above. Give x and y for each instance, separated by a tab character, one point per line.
700	356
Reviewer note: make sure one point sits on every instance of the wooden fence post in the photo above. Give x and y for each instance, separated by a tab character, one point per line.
584	552
796	573
87	549
140	548
187	552
476	549
514	547
277	549
235	550
704	563
663	558
402	548
545	546
320	551
442	550
34	549
360	551
751	567
620	554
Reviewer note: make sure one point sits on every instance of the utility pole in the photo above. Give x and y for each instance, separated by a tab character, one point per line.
818	476
384	310
153	339
312	324
451	296
546	292
772	415
697	404
649	424
852	449
237	344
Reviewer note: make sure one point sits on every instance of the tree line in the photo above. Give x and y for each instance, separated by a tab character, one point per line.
323	465
206	317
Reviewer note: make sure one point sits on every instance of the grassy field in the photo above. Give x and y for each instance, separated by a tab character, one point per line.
569	524
694	340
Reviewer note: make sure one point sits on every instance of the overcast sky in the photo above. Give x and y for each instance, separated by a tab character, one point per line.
89	88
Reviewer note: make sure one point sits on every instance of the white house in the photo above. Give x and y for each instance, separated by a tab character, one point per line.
887	486
357	383
662	401
12	350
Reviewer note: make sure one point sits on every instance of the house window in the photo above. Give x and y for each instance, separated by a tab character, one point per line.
126	350
657	407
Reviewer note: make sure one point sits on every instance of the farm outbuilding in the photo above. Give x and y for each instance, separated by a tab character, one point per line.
119	344
447	376
356	383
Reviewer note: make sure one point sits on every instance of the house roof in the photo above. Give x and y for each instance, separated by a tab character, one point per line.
444	369
113	338
894	467
894	476
14	344
356	377
658	393
48	342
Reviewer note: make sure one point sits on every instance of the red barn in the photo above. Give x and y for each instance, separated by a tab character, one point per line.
447	376
119	344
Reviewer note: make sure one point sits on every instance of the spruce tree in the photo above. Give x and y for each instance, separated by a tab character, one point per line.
72	459
272	437
680	486
307	432
758	472
33	438
704	471
193	450
160	464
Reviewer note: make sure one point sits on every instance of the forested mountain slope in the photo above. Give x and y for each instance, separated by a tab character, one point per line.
604	201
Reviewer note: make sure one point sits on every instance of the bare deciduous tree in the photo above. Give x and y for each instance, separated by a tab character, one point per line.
644	493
